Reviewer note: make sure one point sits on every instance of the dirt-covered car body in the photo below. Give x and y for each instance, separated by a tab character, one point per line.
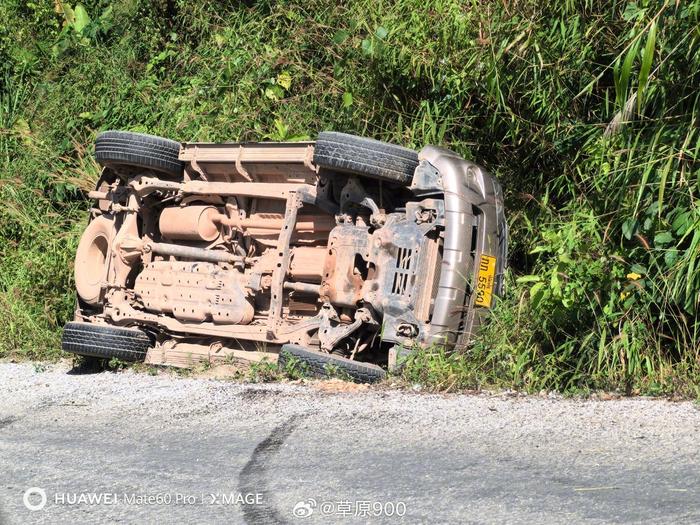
347	247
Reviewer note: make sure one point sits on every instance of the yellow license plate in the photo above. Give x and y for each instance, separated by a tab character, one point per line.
484	281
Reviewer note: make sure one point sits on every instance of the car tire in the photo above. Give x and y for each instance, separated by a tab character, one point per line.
124	148
367	157
317	364
105	342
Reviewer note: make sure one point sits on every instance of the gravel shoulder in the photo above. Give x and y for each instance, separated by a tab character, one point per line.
447	458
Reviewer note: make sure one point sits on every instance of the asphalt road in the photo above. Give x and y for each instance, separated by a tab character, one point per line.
133	448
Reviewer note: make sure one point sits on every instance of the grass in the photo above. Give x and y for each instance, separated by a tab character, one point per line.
586	111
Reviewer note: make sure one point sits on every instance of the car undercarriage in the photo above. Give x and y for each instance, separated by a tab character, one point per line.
344	251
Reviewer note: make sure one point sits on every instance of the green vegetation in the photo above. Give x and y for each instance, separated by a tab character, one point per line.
587	111
295	368
263	372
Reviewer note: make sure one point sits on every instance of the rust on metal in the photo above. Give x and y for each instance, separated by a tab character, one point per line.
189	223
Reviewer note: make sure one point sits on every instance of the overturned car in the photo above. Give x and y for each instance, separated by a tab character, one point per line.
345	251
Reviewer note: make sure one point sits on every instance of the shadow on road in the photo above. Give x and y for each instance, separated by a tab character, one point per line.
88	365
